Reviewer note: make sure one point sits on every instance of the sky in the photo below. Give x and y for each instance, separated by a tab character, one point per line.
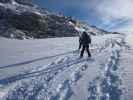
111	15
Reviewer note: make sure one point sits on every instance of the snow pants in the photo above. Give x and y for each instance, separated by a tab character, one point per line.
85	48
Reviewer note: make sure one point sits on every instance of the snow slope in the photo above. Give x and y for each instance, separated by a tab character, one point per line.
50	69
127	64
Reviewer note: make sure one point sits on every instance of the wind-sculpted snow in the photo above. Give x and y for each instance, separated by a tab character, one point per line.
64	90
57	80
31	89
39	87
108	85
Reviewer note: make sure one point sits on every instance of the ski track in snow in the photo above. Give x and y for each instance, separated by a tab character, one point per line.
38	84
57	65
108	85
53	70
65	87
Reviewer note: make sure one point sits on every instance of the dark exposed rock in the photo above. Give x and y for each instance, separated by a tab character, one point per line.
5	1
25	2
24	20
35	25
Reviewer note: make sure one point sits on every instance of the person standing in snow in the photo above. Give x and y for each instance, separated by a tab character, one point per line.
84	41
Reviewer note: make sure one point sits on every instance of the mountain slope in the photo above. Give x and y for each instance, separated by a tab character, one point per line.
22	19
19	20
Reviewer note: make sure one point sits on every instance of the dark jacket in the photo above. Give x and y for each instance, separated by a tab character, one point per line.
84	40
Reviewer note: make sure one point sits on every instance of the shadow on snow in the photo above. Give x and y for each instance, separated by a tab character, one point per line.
34	60
53	69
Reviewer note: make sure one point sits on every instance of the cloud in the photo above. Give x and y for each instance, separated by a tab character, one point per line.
113	15
116	15
126	28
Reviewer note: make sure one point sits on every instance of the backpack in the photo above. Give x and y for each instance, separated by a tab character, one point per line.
85	39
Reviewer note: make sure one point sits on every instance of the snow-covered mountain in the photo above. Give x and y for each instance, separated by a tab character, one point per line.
93	30
50	69
22	19
24	2
19	20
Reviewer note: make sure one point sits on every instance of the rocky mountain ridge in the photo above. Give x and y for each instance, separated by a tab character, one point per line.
21	19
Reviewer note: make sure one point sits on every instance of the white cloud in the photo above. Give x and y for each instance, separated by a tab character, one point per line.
115	15
115	12
128	28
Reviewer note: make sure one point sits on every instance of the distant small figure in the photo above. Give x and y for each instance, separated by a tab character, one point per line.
84	41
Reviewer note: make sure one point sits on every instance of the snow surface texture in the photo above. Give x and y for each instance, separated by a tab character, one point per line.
107	85
66	77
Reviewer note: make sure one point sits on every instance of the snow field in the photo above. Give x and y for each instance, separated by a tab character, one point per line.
108	85
57	80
